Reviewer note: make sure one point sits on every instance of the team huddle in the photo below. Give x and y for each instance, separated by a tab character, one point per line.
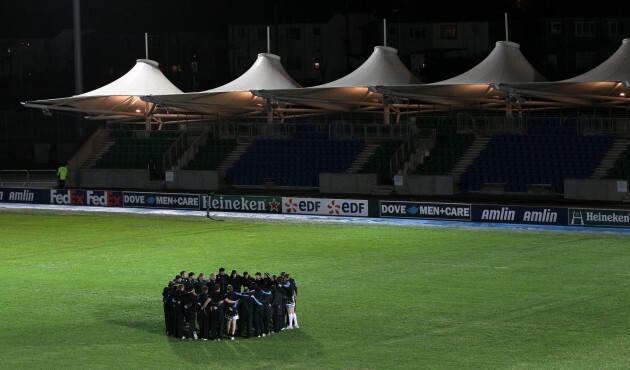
225	306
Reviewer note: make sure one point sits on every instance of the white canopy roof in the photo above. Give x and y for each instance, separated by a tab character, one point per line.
606	84
383	67
120	97
505	63
235	96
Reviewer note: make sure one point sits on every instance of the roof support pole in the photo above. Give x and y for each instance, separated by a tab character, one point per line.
386	115
147	116
78	61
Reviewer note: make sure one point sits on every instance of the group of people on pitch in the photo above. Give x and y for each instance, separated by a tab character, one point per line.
222	306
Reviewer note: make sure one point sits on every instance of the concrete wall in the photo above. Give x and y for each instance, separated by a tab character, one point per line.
107	179
590	189
193	180
347	183
425	185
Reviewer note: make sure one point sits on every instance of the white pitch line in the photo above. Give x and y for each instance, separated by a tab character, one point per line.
466	266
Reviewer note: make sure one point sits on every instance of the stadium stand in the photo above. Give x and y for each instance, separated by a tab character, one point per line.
449	147
134	151
549	153
293	162
621	169
211	155
378	162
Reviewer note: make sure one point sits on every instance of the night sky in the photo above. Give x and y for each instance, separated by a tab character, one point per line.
40	18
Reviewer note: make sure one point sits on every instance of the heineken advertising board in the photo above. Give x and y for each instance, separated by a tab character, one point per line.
599	217
238	203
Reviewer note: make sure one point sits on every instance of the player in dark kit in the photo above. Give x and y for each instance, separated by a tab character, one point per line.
222	280
245	313
278	304
179	312
235	281
217	312
203	315
190	311
167	302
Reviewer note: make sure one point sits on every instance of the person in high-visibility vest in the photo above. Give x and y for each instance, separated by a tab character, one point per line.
62	173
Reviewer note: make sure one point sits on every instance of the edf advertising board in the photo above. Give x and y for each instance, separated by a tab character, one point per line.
325	207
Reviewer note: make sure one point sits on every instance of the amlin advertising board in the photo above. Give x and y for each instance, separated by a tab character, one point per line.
519	214
19	195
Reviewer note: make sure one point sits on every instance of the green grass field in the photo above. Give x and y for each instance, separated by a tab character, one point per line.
83	290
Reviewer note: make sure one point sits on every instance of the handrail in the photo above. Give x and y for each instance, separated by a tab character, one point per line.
27	178
95	141
172	153
193	148
398	159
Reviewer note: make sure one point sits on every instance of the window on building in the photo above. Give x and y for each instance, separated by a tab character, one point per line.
125	42
474	30
261	34
391	30
156	42
317	31
448	32
585	29
584	61
553	60
240	32
294	63
619	28
294	33
555	28
417	32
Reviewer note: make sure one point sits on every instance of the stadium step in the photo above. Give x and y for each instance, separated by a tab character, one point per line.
155	185
608	162
362	158
231	158
467	158
382	190
98	154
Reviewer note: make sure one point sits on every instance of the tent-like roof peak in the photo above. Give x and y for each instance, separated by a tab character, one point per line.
149	61
265	73
383	67
505	64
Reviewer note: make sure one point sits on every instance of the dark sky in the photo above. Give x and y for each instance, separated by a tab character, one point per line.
41	18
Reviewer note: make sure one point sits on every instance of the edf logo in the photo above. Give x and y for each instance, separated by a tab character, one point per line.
295	206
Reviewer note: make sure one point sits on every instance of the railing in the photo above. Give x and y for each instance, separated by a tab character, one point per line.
28	178
171	156
466	122
85	152
404	151
345	130
193	148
